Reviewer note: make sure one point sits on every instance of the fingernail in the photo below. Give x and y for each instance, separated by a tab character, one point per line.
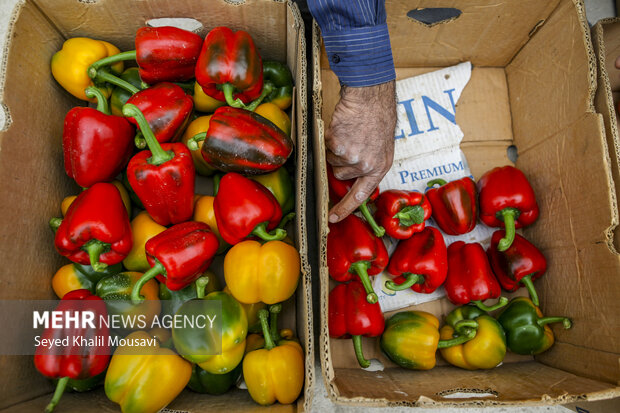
333	218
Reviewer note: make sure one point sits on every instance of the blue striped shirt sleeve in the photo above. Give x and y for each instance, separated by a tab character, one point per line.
356	40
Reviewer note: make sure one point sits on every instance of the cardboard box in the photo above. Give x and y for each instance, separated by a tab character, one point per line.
33	180
532	86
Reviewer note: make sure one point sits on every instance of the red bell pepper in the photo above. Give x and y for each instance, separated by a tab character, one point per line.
518	266
338	189
229	68
96	229
162	178
242	141
402	213
75	361
420	262
178	256
167	109
506	200
352	248
470	278
454	205
351	315
96	145
244	208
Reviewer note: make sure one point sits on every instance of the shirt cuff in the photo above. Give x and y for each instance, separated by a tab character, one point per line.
360	56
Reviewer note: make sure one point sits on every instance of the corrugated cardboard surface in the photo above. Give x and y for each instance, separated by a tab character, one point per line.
532	87
33	180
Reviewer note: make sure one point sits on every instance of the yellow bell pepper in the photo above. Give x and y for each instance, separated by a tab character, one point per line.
198	125
204	102
70	64
143	228
144	378
267	272
251	311
66	203
276	115
204	212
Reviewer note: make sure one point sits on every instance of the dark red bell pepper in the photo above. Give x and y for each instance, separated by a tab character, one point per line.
454	205
420	262
178	256
167	109
338	189
96	229
96	145
518	266
242	141
162	177
402	213
351	315
244	208
229	68
470	278
353	249
75	361
506	200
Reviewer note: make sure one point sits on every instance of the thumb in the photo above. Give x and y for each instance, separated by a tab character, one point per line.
360	191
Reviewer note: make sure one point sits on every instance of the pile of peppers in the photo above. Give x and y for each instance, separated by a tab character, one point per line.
141	240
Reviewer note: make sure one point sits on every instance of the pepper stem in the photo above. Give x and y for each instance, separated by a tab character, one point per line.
547	320
261	232
216	183
273	322
410	215
529	284
192	143
267	89
119	57
228	90
357	345
157	269
464	326
361	269
378	230
467	335
500	303
60	389
102	102
410	279
508	215
102	75
434	182
287	218
201	284
55	223
139	140
158	155
262	316
95	248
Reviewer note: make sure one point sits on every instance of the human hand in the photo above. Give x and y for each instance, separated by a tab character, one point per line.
360	142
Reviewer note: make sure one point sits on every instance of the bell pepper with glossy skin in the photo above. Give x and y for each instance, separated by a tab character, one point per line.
276	115
198	125
68	200
470	278
73	361
204	211
281	79
162	177
172	300
402	213
178	256
353	249
266	273
145	379
527	331
96	145
454	205
351	315
281	186
143	228
251	312
120	95
74	276
208	383
419	263
485	350
506	200
96	229
242	141
338	189
518	266
246	208
204	102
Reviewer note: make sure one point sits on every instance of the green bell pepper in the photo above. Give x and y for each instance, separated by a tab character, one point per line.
204	382
119	95
279	76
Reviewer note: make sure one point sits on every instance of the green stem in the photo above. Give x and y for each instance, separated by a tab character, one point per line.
359	353
434	182
192	143
60	389
547	320
468	335
464	326
102	102
119	57
55	223
273	325
102	75
216	183
410	279
529	284
262	316
361	269
139	140
267	89
500	303
201	284
95	248
261	232
157	269
158	155
378	230
410	215
508	215
229	90
287	218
